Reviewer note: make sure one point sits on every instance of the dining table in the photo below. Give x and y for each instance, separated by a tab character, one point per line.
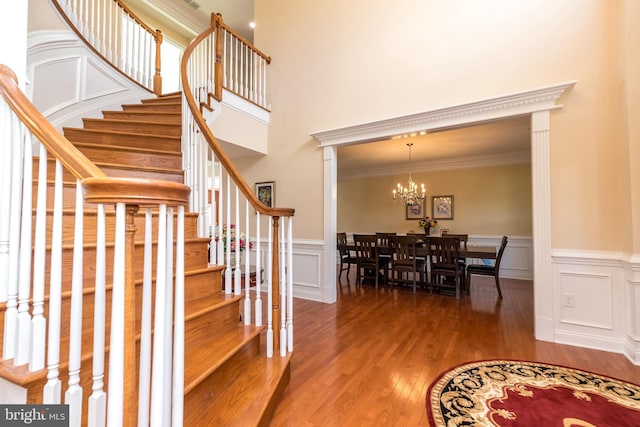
470	251
467	252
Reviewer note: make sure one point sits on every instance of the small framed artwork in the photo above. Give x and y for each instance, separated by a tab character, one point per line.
415	211
266	192
442	207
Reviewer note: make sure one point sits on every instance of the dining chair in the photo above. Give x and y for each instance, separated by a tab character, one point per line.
367	261
405	265
382	240
347	256
464	239
446	271
488	270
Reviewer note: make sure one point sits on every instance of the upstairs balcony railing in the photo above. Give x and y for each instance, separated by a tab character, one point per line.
112	30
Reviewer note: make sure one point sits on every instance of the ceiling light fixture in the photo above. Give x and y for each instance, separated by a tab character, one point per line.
410	193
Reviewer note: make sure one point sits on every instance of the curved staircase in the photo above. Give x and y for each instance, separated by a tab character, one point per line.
228	378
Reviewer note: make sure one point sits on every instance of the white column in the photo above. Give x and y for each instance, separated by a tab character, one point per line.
541	194
330	223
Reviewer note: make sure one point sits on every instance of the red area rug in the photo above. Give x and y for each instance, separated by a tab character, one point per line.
514	393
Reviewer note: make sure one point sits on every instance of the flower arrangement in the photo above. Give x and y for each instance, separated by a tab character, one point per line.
427	223
232	238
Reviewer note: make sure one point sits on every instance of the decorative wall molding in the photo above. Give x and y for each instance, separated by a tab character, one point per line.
604	291
515	104
89	87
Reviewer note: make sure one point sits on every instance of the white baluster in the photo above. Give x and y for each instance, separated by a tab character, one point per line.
159	363
269	288
115	401
258	273
53	388
247	269
237	272
220	220
11	313
178	349
5	199
97	415
73	395
145	333
283	291
39	323
228	272
23	337
290	288
168	318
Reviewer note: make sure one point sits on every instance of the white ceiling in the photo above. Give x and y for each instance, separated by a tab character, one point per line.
497	142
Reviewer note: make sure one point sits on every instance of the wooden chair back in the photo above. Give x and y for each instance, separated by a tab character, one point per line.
503	246
382	239
365	247
403	249
342	241
444	252
464	238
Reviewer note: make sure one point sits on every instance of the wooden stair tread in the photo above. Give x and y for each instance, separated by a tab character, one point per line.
139	168
206	356
164	97
251	398
145	150
123	133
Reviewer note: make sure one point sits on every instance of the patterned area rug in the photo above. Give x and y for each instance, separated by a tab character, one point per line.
514	393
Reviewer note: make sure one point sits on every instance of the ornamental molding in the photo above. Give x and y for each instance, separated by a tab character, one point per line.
515	104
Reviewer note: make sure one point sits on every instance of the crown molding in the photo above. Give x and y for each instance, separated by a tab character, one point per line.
515	104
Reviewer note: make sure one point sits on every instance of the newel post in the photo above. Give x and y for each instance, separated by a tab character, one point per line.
157	78
275	281
218	69
130	372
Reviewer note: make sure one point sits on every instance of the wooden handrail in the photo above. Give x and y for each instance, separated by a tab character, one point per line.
213	141
135	191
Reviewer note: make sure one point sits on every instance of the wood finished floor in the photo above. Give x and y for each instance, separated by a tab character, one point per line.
368	359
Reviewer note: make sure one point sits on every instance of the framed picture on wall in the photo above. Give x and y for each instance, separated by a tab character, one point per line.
266	192
416	210
442	207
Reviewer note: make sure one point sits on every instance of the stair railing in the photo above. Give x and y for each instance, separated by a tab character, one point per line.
226	220
48	309
114	32
244	67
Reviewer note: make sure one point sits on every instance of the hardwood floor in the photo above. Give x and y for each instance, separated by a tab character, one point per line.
368	359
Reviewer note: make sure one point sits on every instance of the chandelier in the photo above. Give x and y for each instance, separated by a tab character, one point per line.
410	193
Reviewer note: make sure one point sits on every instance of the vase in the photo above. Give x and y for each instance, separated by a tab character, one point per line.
427	229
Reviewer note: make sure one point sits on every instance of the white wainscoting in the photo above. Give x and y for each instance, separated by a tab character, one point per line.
308	277
69	81
596	301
